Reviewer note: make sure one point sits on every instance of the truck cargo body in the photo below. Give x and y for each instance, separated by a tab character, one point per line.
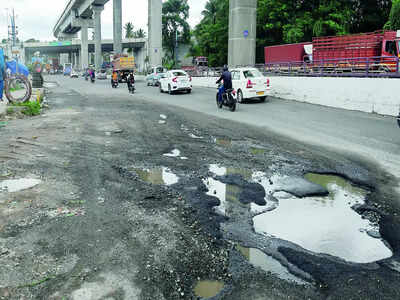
123	65
285	53
370	52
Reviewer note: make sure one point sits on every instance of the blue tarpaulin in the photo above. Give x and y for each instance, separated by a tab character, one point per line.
22	69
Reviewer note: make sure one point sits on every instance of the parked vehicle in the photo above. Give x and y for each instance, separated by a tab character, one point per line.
250	83
174	81
198	67
102	75
154	75
123	65
228	99
371	52
74	74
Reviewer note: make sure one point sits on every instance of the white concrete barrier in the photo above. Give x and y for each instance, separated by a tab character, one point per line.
372	95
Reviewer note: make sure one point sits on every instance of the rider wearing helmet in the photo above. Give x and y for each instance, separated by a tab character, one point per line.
227	78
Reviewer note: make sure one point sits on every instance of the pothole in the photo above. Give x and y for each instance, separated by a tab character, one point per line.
159	176
173	153
208	288
16	185
225	142
193	136
268	264
325	224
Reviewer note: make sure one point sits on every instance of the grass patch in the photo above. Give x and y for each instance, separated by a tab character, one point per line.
10	110
32	108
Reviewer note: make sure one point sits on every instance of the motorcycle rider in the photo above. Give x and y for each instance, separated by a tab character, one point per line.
227	78
114	79
130	82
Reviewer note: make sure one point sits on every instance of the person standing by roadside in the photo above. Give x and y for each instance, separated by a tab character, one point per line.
2	73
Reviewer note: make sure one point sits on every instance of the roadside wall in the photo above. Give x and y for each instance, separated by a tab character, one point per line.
377	95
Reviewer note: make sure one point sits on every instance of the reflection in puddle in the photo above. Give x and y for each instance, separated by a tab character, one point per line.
162	122
173	153
164	117
193	136
160	176
325	224
259	259
207	289
16	185
225	142
226	193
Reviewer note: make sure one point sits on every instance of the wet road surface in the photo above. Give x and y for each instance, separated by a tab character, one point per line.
135	198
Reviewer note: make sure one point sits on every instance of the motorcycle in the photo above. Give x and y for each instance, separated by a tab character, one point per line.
114	84
92	79
131	88
228	99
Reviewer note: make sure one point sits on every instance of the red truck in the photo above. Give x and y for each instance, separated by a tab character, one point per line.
372	52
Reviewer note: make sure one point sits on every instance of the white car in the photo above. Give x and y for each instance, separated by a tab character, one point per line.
250	83
74	74
174	81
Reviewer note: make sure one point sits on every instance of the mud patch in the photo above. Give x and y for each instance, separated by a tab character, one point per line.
207	289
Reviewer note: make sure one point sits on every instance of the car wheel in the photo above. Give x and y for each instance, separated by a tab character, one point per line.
189	91
169	89
161	89
263	98
240	96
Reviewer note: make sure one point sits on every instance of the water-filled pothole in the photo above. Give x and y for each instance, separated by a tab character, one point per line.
208	288
173	153
325	224
267	263
160	176
225	142
16	185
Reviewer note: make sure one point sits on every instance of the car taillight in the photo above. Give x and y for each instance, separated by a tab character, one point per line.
249	84
175	79
267	83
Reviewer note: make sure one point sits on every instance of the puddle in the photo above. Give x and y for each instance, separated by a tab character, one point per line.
225	142
207	288
267	263
160	176
258	151
226	193
16	185
173	153
164	117
193	136
325	224
162	122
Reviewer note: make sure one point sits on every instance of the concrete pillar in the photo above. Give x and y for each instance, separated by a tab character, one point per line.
84	47
155	32
97	35
117	26
242	32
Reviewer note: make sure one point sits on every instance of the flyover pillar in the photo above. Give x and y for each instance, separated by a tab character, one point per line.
242	32
155	32
97	35
84	47
117	26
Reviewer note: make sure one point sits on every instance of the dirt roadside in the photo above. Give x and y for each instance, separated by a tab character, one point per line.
95	229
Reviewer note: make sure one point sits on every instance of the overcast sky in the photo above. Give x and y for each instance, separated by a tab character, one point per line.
36	18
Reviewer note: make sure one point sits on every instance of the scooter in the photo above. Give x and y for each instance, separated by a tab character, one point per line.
131	88
114	84
228	99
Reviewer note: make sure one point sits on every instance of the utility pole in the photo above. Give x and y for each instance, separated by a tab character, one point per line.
176	47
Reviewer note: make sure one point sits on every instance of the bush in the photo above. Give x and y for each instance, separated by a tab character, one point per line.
32	108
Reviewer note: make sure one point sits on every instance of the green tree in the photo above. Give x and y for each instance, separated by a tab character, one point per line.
394	16
140	34
212	33
174	24
129	30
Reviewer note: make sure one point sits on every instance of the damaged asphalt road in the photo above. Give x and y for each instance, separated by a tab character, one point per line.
126	207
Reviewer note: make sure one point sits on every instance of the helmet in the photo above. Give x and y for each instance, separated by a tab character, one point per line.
225	68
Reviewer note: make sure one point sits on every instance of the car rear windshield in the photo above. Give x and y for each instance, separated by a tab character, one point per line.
177	73
252	73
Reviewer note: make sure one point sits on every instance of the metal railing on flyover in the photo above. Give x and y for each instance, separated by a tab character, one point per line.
378	66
